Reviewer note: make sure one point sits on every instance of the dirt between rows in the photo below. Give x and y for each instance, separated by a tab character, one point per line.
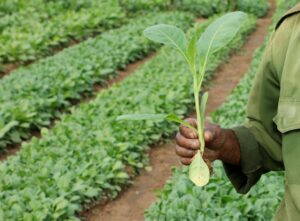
131	202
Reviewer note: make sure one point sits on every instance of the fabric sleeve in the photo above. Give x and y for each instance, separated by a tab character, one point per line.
270	103
259	152
289	209
288	123
243	177
255	161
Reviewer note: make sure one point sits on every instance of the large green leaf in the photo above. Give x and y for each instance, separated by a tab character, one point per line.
220	33
198	171
191	49
142	117
168	35
174	118
169	117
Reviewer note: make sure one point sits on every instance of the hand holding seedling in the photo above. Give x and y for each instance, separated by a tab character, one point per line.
220	144
196	52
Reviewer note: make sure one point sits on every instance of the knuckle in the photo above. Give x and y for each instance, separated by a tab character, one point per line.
178	136
195	144
177	150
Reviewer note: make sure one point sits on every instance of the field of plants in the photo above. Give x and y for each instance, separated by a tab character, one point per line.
214	203
59	103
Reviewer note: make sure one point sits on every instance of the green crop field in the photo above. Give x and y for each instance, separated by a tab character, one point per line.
62	149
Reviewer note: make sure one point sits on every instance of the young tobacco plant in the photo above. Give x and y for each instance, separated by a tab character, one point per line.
196	53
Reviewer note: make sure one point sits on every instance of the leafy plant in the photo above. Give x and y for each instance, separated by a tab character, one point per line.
196	53
257	7
33	95
87	155
53	24
217	201
203	8
133	6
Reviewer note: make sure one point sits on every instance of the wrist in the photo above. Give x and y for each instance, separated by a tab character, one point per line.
230	149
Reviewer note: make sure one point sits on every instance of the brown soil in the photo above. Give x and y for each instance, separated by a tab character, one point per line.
9	152
131	203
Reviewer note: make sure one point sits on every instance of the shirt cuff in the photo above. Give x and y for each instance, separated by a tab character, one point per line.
243	177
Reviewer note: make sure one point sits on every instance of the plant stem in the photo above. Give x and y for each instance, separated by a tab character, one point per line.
199	120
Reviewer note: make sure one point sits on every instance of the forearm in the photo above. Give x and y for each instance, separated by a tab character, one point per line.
243	163
230	151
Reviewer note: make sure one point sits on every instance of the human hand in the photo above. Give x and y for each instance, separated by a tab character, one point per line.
219	144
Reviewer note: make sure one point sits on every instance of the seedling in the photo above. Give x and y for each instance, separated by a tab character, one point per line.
196	52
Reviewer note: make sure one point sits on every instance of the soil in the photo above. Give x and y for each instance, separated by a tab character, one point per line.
9	151
131	203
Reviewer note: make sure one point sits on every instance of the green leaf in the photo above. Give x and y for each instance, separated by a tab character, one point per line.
7	128
169	117
91	192
142	117
191	49
174	118
220	33
122	175
168	35
198	171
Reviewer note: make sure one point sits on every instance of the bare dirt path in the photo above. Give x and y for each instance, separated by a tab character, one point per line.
131	203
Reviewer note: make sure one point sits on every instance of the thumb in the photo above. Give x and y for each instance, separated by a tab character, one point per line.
209	135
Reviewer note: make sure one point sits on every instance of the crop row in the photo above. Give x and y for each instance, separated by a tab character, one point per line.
13	11
9	7
204	8
88	154
180	199
53	24
256	7
31	96
34	30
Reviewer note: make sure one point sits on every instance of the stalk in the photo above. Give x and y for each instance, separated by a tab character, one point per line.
198	114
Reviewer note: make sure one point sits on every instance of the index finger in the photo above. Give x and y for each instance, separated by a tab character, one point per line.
187	132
